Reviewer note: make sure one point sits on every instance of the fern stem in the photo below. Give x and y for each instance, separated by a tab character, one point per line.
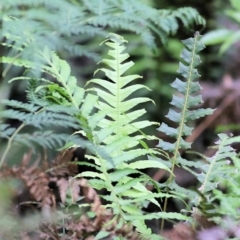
9	144
183	115
111	187
164	210
118	96
12	138
10	65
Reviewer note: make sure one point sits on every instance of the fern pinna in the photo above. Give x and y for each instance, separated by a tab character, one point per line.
183	102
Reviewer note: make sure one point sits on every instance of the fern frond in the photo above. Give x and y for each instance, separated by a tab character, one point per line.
188	16
45	139
17	62
29	107
184	101
13	3
60	70
121	133
63	104
41	119
216	170
115	131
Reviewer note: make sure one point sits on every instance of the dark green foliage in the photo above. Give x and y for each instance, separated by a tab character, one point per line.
105	117
43	118
64	25
217	170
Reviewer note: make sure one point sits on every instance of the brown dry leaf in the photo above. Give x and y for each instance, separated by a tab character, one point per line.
59	174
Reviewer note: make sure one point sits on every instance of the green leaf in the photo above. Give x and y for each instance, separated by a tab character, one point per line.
233	38
235	4
131	209
143	164
163	215
119	174
216	36
88	105
102	234
129	184
98	184
141	227
91	174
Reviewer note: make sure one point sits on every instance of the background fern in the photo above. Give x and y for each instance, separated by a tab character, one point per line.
29	25
41	21
217	173
50	105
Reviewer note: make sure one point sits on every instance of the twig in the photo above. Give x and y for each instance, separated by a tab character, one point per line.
202	126
9	144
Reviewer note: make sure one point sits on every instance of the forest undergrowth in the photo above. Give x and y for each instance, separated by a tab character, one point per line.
108	200
97	182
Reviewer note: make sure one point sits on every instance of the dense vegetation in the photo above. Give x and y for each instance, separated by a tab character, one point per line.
105	192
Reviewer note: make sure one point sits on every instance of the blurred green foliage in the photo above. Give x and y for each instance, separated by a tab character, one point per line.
226	36
75	35
155	61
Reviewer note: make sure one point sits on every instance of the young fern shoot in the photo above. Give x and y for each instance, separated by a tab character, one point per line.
183	102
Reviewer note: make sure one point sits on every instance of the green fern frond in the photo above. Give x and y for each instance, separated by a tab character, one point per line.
29	107
17	62
62	104
184	101
60	70
188	16
41	119
215	170
121	134
52	140
121	122
66	93
45	139
13	3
